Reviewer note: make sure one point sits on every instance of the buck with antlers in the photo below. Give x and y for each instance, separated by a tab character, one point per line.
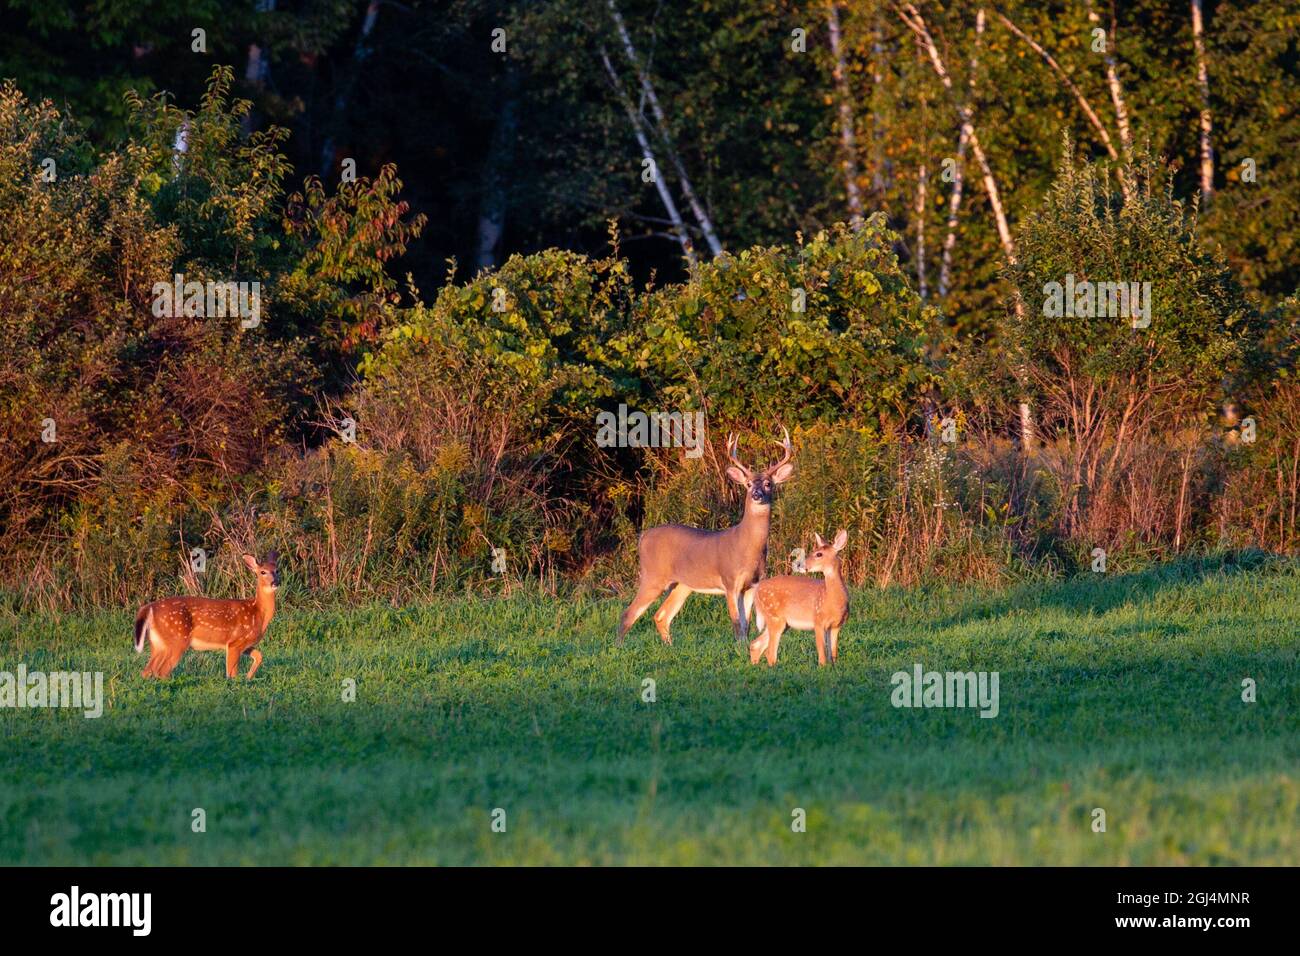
174	625
726	562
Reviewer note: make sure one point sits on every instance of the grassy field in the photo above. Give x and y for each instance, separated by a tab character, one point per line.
1121	693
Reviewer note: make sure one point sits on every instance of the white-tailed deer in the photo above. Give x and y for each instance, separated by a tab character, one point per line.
804	604
711	562
174	625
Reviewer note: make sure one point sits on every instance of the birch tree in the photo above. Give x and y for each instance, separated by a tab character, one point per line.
1114	84
1203	85
958	172
848	137
1094	120
648	156
912	18
661	122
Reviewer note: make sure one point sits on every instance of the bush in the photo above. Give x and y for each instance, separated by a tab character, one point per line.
1125	410
110	415
828	330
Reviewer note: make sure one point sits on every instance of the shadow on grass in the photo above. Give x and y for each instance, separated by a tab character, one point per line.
1092	593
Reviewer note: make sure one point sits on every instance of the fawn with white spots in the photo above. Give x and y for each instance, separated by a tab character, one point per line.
804	604
173	625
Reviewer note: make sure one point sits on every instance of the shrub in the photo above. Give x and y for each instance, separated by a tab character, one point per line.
828	330
1125	410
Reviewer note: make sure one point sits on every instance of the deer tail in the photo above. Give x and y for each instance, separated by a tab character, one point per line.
141	626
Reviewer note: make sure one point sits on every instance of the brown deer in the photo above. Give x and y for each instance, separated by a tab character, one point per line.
804	604
174	625
711	562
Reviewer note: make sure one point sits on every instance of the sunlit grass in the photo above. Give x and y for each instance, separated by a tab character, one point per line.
1121	693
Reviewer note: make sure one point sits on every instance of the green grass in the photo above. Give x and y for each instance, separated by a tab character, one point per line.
1121	693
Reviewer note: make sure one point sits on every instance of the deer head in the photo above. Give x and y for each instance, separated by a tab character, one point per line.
761	485
826	558
267	570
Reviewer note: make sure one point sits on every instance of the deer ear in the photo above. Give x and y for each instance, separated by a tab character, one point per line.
738	476
841	539
250	561
782	474
818	538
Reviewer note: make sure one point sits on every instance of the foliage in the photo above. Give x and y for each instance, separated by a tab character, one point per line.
1201	325
156	410
825	330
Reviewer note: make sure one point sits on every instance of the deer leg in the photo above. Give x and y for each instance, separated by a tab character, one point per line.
668	610
256	655
823	641
169	659
157	651
152	665
759	645
835	644
645	596
232	660
774	630
739	621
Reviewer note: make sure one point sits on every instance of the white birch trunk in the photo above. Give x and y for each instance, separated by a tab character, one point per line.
848	136
1116	88
648	91
959	175
916	23
647	152
1203	82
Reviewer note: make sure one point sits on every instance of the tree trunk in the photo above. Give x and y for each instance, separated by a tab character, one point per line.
647	152
916	23
496	168
648	91
1203	83
959	175
882	173
921	287
921	205
257	67
848	136
359	56
1026	426
1093	119
1116	88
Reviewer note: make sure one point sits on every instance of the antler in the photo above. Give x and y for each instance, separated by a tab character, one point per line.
732	441
785	444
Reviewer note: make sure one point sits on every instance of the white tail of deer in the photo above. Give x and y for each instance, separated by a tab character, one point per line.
711	562
174	625
804	604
